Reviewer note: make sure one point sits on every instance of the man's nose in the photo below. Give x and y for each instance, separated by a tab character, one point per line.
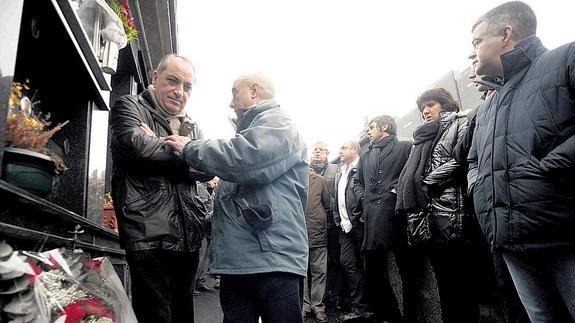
472	55
179	91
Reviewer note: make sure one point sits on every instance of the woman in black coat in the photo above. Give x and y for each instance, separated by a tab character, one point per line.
431	197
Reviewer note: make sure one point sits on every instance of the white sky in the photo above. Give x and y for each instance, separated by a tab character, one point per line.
334	62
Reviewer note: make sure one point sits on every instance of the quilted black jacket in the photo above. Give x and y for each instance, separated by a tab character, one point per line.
523	151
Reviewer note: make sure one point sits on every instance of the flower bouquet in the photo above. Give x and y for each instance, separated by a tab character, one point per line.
122	9
60	286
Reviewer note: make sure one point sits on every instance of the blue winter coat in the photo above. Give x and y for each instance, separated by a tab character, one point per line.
267	160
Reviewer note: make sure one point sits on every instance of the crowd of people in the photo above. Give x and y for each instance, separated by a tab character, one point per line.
482	196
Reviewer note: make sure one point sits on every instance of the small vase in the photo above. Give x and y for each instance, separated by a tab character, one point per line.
29	170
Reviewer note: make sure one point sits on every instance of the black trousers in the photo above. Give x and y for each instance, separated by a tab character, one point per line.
334	287
275	297
163	285
380	295
352	262
452	265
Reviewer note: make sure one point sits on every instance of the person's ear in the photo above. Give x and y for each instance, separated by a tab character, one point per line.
254	90
385	127
154	77
507	34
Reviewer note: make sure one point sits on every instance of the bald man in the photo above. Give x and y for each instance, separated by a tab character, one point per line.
259	236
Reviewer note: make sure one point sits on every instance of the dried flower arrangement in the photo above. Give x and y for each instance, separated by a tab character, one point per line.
122	9
28	130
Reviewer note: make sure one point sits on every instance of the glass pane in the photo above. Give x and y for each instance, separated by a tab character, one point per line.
97	165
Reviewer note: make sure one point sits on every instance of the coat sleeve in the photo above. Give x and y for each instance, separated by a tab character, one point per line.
325	198
447	172
256	155
358	183
562	157
131	144
472	167
462	147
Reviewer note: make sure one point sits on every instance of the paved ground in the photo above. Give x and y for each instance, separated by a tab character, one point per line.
208	309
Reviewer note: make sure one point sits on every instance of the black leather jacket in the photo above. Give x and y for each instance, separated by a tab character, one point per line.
352	205
445	182
153	189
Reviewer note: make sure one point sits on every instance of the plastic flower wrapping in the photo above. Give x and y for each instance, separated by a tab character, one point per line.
60	286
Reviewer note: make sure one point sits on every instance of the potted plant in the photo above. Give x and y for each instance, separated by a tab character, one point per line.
26	162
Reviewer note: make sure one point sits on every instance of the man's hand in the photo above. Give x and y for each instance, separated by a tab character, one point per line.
177	142
147	130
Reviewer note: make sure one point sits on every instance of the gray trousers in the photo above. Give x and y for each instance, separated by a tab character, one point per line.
314	283
202	273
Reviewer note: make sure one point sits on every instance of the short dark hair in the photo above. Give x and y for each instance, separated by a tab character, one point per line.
439	95
516	14
383	120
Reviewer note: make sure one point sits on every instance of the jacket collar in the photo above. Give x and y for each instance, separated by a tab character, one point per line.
252	112
145	98
521	56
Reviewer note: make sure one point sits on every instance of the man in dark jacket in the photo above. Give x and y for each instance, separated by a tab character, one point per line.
495	278
318	206
153	189
376	187
321	165
347	216
522	159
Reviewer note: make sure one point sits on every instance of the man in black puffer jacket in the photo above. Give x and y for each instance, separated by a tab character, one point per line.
159	214
522	159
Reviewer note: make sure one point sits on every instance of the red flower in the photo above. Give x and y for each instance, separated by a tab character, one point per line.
77	311
92	264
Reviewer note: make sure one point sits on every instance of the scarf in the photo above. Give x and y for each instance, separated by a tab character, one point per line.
175	120
378	151
318	168
410	193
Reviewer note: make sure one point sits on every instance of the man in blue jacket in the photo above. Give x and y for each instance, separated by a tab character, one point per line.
259	236
522	156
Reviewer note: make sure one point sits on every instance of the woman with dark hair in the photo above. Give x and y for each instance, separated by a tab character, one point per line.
431	196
